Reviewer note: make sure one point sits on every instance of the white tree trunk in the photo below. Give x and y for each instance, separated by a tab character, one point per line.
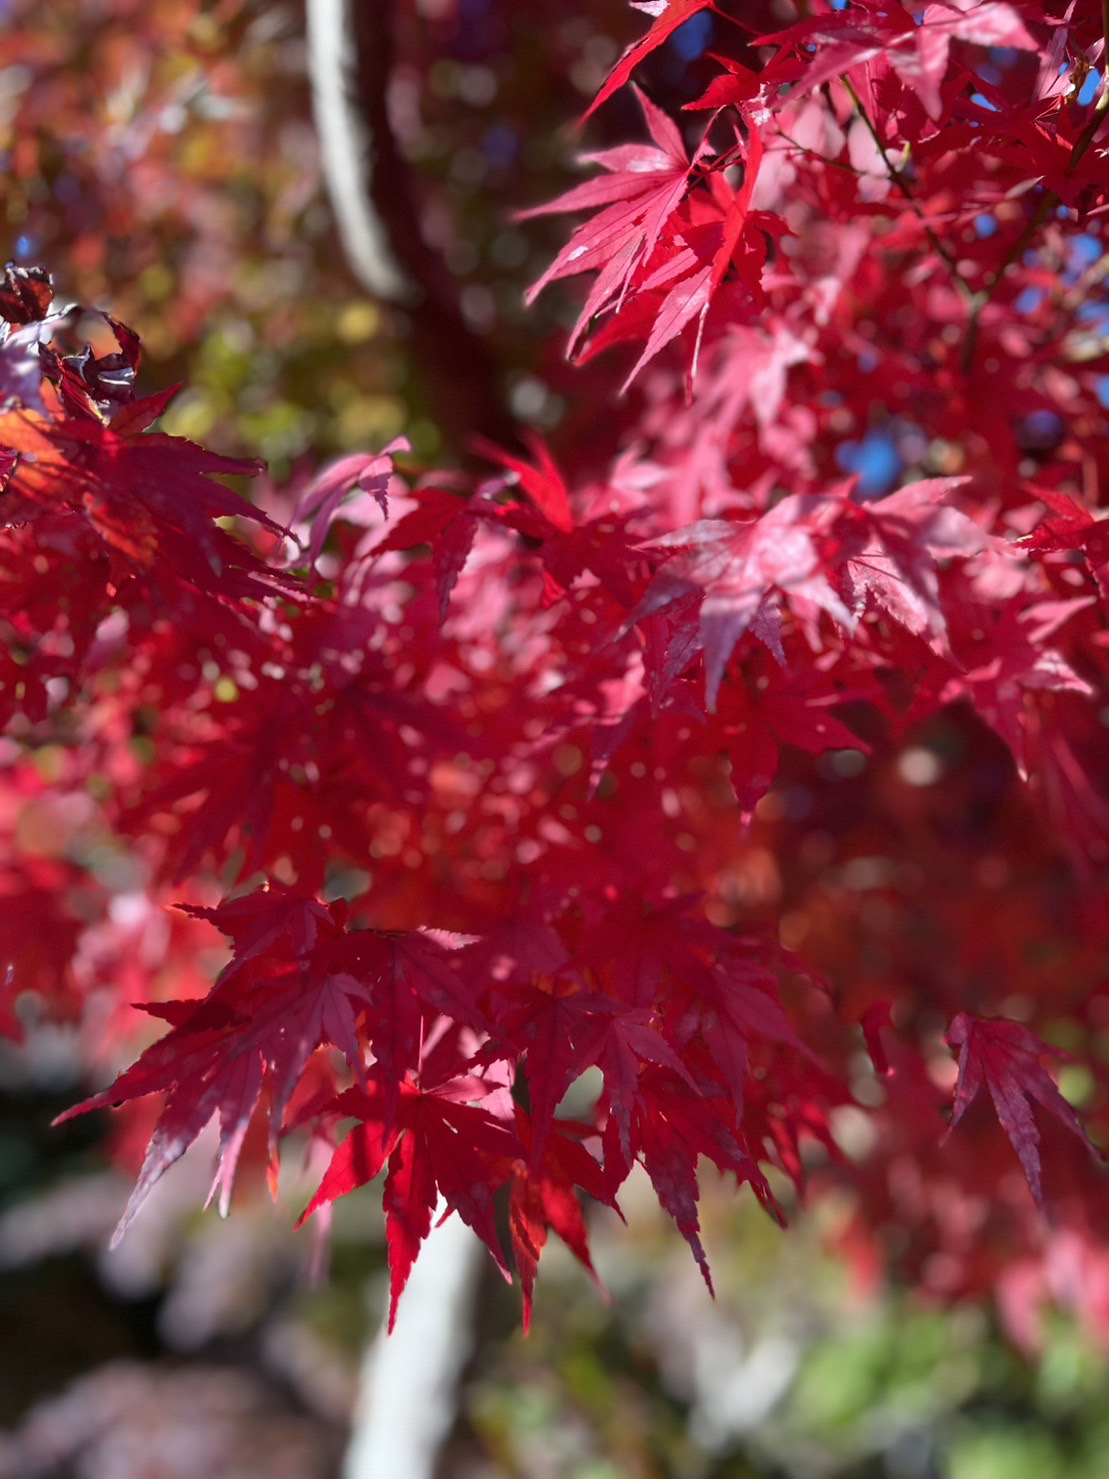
408	1396
347	152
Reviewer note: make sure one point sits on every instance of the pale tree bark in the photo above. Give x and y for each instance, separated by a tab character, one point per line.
351	49
408	1395
347	151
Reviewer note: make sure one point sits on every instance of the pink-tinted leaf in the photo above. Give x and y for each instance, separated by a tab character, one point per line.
364	473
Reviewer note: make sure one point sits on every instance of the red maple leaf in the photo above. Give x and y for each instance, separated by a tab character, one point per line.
269	1010
739	568
545	1198
564	1028
669	15
675	1127
642	190
409	973
1018	662
440	1144
148	496
915	47
891	550
366	474
446	522
1007	1058
774	706
1071	526
883	241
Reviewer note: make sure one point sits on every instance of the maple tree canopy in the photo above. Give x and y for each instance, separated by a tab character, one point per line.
734	762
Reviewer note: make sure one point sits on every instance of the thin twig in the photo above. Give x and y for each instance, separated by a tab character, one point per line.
1096	272
1048	201
816	154
898	178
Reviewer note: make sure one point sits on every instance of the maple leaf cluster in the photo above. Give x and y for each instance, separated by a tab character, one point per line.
604	774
